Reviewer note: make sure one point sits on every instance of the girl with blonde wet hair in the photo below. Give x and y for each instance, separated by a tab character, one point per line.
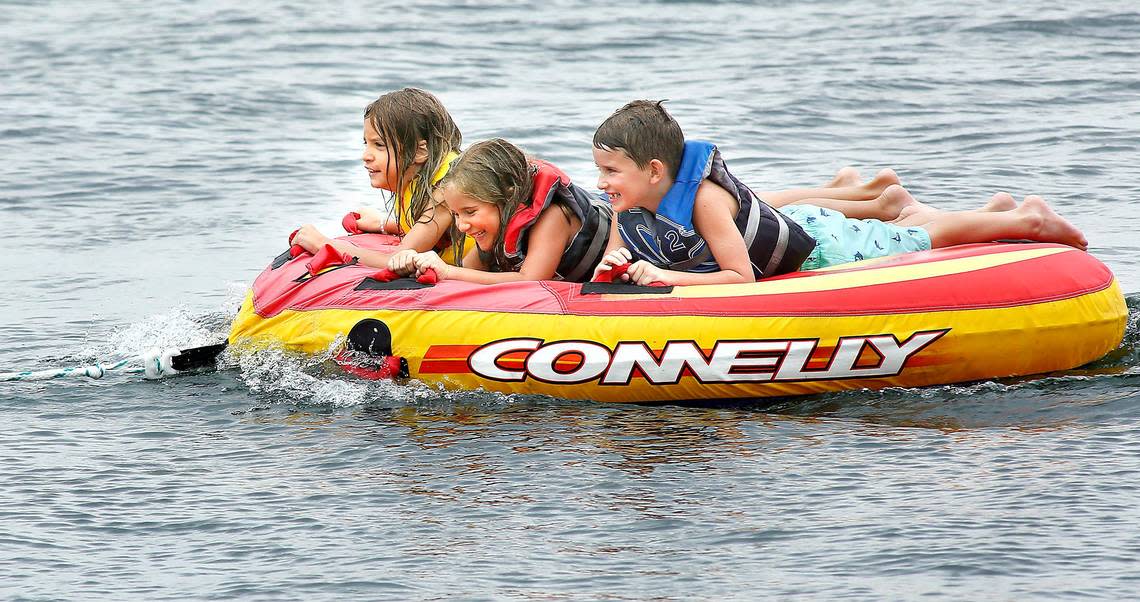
527	219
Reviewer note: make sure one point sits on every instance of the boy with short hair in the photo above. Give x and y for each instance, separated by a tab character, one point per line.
682	218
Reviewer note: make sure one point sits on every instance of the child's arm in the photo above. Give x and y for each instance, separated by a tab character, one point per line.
609	258
312	241
422	237
427	230
372	220
714	219
547	239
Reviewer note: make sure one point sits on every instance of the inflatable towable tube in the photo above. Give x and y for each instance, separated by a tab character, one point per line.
950	315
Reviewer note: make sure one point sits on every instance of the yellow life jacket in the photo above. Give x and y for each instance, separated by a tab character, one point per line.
406	220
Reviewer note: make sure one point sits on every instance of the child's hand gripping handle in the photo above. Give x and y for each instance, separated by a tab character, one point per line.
295	250
429	276
614	273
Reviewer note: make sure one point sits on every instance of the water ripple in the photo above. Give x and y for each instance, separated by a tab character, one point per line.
156	155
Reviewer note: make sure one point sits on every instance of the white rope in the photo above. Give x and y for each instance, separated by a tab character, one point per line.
153	364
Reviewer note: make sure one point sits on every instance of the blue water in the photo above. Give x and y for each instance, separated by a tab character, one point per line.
156	154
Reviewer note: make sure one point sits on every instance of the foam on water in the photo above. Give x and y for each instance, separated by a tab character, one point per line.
176	329
313	381
157	154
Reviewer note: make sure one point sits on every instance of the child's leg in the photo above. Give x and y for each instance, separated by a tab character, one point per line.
919	214
1032	220
886	207
849	192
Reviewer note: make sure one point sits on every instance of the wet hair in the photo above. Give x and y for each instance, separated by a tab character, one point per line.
404	118
644	131
497	172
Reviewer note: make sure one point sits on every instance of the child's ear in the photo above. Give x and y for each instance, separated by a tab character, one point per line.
421	153
657	171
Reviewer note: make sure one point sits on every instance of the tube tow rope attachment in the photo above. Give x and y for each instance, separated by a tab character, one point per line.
153	364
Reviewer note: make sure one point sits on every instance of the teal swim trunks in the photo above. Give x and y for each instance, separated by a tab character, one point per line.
840	239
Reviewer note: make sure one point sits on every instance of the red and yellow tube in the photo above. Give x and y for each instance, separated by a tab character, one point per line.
937	317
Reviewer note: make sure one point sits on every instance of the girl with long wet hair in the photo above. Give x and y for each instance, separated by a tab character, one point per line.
410	141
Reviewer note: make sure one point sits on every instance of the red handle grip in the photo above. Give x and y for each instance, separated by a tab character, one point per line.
385	275
295	250
612	274
428	277
326	257
349	223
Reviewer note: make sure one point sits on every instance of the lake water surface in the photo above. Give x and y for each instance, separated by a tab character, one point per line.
156	154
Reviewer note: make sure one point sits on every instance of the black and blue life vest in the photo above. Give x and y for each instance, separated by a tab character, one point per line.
588	245
667	238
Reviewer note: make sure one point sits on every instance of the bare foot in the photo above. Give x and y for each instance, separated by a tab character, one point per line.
882	180
894	199
847	176
1050	227
896	204
1002	201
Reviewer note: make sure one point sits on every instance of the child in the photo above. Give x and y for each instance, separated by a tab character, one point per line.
410	141
528	221
684	219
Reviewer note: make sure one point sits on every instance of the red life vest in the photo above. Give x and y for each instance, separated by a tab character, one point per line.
585	250
544	181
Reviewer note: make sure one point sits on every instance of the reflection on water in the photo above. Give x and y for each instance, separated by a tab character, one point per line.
157	154
639	440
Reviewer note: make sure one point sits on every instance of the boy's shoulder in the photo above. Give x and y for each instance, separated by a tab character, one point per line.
697	162
710	194
688	179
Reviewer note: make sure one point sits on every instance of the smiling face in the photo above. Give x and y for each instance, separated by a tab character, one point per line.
379	159
627	184
478	219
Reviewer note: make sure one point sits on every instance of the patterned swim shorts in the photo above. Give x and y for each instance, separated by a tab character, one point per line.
840	239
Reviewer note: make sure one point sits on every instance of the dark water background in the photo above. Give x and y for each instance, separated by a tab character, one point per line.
154	155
